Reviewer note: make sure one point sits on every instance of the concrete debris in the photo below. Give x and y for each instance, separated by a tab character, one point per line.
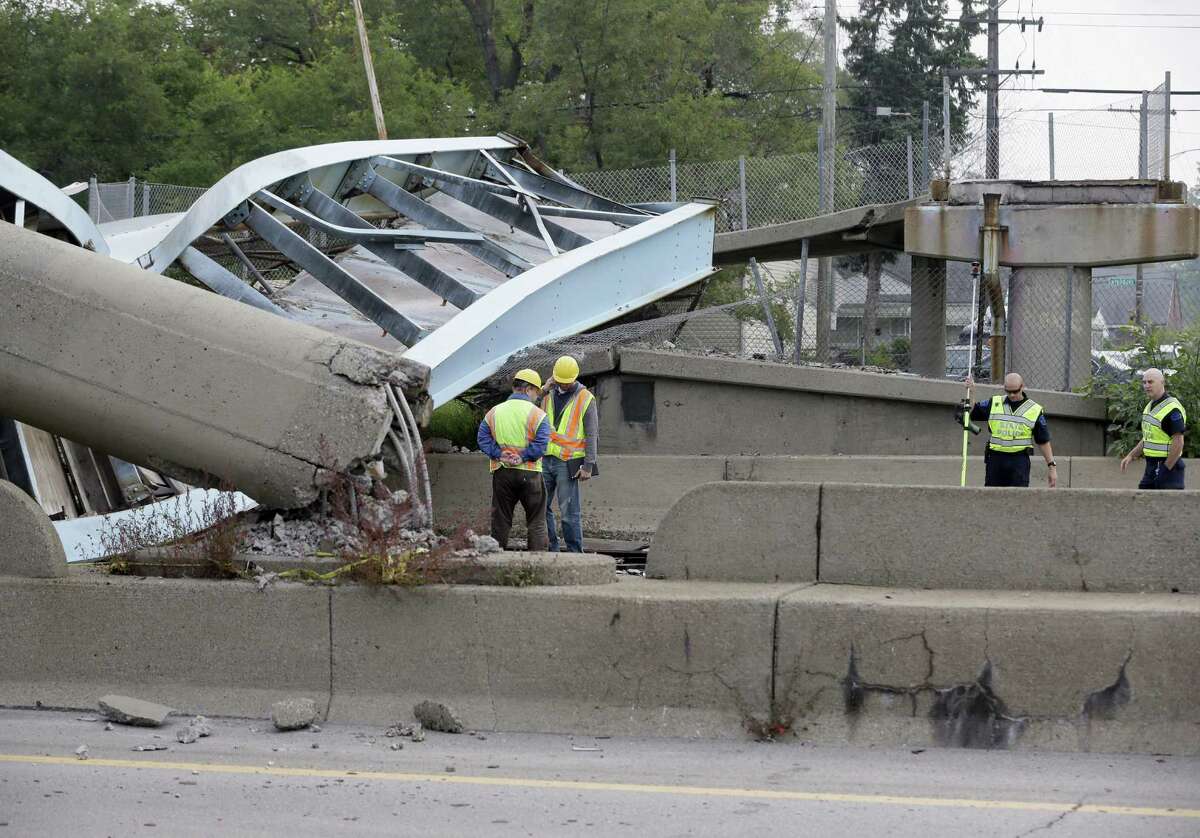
87	718
483	543
262	580
438	445
437	716
301	537
293	713
81	752
109	726
133	711
415	732
151	747
397	746
195	729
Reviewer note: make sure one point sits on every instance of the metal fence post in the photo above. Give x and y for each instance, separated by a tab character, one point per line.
742	187
674	190
93	200
1143	172
800	295
130	188
925	146
820	169
1050	123
909	167
145	197
1067	344
1166	166
766	304
946	126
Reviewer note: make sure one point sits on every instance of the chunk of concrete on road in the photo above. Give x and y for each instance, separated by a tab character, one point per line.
942	537
1060	671
133	711
434	715
29	546
634	658
739	532
293	713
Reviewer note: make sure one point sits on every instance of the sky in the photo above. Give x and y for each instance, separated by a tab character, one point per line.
1124	44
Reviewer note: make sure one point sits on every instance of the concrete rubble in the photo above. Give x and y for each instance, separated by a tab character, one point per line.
434	715
293	713
133	711
195	729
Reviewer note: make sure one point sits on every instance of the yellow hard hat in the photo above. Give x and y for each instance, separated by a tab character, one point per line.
566	370
529	377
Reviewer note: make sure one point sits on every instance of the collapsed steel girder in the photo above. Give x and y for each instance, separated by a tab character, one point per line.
478	215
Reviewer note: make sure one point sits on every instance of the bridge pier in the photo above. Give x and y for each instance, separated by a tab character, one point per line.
928	336
1050	326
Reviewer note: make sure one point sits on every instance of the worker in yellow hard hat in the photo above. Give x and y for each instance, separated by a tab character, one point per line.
571	455
514	434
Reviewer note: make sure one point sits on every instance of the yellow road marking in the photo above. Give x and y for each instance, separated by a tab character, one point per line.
631	788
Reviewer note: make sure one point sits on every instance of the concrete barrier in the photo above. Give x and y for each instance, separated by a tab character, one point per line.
29	546
636	658
667	403
1100	672
1105	473
626	501
1009	539
906	471
217	648
740	532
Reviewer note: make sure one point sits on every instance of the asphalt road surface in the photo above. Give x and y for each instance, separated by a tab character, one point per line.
248	779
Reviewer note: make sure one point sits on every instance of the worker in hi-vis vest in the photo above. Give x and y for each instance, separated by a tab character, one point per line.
1017	423
514	435
1164	422
571	455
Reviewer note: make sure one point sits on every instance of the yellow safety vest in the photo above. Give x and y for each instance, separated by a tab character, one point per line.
566	433
1155	441
1012	432
514	425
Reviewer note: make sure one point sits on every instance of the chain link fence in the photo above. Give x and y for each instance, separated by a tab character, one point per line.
864	314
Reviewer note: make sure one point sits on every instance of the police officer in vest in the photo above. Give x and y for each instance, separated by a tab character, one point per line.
1016	423
514	435
1163	424
571	455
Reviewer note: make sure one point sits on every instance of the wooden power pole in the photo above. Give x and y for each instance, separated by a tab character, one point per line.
369	66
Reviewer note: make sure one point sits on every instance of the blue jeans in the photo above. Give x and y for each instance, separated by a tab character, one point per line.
559	485
1156	475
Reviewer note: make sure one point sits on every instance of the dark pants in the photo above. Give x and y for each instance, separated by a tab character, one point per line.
1156	475
511	486
1006	469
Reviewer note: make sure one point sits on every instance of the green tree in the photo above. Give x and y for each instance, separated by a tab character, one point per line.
897	53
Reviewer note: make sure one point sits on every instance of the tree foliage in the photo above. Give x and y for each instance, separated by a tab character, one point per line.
183	91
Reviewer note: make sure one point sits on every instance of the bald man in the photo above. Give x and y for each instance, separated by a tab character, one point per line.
1017	424
1163	424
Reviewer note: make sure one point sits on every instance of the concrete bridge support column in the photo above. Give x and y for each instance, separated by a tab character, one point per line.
928	316
1050	326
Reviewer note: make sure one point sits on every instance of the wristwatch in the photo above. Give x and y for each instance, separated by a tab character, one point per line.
1052	464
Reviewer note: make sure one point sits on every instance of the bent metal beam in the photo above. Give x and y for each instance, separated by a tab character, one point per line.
190	383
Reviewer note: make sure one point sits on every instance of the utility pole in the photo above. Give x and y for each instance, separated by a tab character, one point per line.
993	74
828	152
369	67
992	169
1143	173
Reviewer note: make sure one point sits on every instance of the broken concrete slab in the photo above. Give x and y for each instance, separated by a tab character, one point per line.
190	383
29	546
133	711
434	715
1061	671
197	728
1079	540
739	532
293	713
